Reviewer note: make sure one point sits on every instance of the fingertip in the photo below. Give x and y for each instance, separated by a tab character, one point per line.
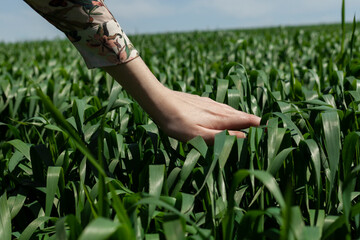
238	134
254	121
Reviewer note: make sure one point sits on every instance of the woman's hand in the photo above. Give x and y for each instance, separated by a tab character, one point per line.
184	116
180	115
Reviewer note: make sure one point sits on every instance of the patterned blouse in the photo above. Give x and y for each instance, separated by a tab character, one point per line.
92	29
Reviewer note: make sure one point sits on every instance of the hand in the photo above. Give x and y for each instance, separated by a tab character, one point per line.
180	115
184	116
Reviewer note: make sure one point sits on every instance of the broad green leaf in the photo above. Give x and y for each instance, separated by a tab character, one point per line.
5	218
15	204
310	233
275	137
316	163
342	28
347	192
318	102
242	152
31	228
156	181
22	147
153	236
116	88
352	38
296	222
330	100
172	177
218	146
61	229
186	170
174	230
222	86
233	98
15	159
351	144
225	152
99	229
20	93
316	78
199	143
153	131
187	203
295	132
52	181
333	223
53	127
319	222
276	163
79	108
331	126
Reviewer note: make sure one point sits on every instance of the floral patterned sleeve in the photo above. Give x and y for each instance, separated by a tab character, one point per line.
92	29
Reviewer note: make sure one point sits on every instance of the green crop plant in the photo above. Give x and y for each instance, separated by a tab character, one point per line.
80	159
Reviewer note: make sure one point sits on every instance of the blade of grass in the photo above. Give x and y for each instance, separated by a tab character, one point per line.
331	127
99	229
52	181
222	86
316	164
275	137
351	144
352	41
16	204
22	147
31	228
275	165
189	164
295	132
174	230
156	181
233	98
342	27
199	143
5	218
218	145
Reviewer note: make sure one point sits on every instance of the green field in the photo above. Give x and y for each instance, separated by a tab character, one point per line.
80	159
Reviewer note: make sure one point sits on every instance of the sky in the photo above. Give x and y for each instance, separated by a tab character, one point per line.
18	22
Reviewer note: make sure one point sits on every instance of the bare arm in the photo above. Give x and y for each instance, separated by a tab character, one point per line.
180	115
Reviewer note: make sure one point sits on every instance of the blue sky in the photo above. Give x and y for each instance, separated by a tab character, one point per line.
19	22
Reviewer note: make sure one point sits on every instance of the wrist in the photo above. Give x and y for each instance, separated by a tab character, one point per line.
142	85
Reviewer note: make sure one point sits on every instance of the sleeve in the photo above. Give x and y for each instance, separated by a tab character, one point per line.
91	28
